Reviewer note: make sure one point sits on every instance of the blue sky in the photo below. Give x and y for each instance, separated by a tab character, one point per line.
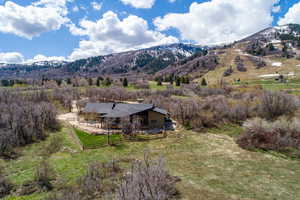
33	30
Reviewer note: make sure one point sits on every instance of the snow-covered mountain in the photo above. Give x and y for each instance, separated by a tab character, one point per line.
148	60
51	63
165	58
276	33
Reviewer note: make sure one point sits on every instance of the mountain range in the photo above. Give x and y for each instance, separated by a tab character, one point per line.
176	59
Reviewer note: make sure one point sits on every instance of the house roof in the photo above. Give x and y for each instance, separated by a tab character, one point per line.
120	109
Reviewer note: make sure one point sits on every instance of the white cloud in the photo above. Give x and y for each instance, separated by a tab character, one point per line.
18	58
110	35
11	57
172	1
139	3
75	9
96	5
292	16
41	57
218	21
82	7
32	20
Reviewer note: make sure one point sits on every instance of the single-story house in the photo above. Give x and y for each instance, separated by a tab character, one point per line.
151	117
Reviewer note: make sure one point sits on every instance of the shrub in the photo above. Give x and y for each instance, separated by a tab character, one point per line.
275	104
66	194
223	111
228	72
279	135
91	184
237	113
110	169
54	146
43	176
5	186
6	142
141	85
147	180
241	67
204	92
99	181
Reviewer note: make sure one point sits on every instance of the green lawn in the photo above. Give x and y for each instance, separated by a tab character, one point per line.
154	86
95	141
228	129
270	84
210	165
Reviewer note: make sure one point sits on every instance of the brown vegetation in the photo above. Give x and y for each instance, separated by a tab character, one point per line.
5	185
24	119
275	104
281	135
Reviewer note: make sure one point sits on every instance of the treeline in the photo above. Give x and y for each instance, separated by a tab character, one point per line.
54	83
10	83
178	80
27	117
218	106
263	48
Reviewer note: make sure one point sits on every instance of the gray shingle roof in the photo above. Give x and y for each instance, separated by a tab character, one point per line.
120	109
161	111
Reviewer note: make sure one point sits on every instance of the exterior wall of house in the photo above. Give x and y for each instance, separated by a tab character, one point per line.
156	120
153	119
90	116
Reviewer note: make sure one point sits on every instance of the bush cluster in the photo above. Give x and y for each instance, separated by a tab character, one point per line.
5	186
275	104
147	179
24	120
279	135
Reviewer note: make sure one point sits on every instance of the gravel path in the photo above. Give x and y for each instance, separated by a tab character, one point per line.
73	119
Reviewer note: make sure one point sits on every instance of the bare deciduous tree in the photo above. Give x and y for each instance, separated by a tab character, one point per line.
147	180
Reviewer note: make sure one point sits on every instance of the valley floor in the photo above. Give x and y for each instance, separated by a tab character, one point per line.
210	165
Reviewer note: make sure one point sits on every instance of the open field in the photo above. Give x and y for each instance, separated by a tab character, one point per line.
211	166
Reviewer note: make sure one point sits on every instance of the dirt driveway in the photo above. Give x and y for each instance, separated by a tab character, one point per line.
73	119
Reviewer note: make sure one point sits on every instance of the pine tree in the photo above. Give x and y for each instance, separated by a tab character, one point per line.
187	80
107	81
90	80
178	81
203	82
271	47
5	83
69	81
98	83
159	82
172	81
58	82
125	82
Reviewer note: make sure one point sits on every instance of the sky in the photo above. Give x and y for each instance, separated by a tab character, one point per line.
40	30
